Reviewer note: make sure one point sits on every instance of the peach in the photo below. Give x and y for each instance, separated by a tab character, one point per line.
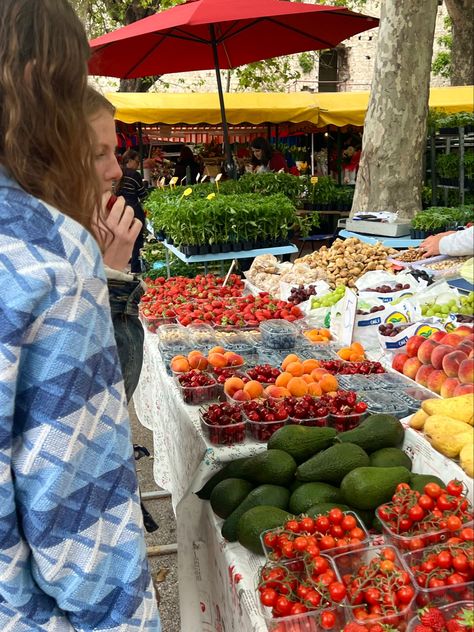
436	380
232	385
297	387
451	339
425	350
179	364
254	389
466	346
217	350
241	396
423	374
466	371
217	360
471	355
438	355
315	389
452	362
277	392
413	344
292	357
464	389
318	374
398	362
438	336
233	359
449	387
463	330
411	366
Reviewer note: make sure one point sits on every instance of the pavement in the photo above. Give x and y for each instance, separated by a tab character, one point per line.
164	568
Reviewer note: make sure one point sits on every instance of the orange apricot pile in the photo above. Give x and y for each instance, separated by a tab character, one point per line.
243	391
302	377
217	357
318	335
354	353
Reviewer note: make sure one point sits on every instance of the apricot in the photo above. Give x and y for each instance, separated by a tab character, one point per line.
232	385
179	364
310	365
241	396
197	361
325	333
315	389
295	368
297	387
217	350
356	347
289	358
283	379
307	378
233	359
328	383
344	353
277	392
217	360
355	357
254	389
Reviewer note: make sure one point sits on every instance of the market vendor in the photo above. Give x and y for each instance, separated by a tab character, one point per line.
455	243
265	158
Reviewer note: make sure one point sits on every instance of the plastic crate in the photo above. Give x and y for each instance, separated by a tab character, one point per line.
449	611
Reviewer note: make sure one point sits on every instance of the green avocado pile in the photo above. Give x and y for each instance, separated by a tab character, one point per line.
310	470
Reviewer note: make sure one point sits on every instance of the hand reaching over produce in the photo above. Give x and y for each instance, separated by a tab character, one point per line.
430	245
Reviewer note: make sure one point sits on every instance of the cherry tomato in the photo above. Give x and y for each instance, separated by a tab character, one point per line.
454	523
357	533
387	566
460	563
433	490
444	559
467	534
292	525
300	544
401	486
436	582
298	608
322	524
405	594
327	542
288	550
426	502
455	578
454	488
320	564
312	550
388	554
384	512
336	531
283	605
348	523
405	525
302	590
268	597
308	525
444	503
328	620
336	515
416	543
327	578
372	596
270	539
337	591
313	598
416	513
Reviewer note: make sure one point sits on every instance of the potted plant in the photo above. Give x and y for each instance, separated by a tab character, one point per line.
447	167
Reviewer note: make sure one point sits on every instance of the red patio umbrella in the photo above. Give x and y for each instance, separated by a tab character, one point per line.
221	34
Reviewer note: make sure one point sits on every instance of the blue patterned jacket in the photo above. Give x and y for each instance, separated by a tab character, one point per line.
72	552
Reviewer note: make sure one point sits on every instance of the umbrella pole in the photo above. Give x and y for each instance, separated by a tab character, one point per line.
140	146
228	153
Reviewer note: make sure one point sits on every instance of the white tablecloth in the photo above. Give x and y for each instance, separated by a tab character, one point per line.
217	578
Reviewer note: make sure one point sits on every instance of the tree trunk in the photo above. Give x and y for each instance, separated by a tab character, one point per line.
390	173
461	13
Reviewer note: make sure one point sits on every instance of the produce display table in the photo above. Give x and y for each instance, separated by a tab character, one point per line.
390	242
216	578
226	256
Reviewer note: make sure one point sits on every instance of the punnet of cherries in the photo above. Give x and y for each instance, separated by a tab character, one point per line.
198	387
224	373
224	423
339	367
301	294
264	417
263	373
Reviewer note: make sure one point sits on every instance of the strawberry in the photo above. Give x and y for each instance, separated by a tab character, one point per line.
422	628
433	617
455	626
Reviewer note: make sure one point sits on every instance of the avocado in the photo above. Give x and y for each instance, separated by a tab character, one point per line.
333	464
310	494
273	466
254	522
301	442
233	469
294	485
374	433
228	494
418	481
271	495
390	457
369	487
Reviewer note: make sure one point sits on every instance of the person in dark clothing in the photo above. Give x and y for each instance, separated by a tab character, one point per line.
131	187
187	166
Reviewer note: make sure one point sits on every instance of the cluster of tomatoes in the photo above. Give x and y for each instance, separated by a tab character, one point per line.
288	590
336	531
380	590
446	566
423	519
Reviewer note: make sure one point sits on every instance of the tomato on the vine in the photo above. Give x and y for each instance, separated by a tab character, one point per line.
328	620
454	523
454	488
337	591
433	490
268	597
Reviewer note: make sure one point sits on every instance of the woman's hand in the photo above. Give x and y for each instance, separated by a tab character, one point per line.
431	244
123	230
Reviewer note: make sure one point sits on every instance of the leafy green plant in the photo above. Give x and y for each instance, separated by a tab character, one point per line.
458	119
469	165
440	217
447	165
270	184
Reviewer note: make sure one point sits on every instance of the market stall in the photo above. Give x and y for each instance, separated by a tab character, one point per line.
340	348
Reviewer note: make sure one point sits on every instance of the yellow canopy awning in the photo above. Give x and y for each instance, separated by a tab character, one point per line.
320	109
192	109
349	108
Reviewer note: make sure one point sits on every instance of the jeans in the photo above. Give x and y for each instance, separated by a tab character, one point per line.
124	297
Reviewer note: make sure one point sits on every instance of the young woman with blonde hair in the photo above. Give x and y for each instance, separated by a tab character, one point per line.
72	552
